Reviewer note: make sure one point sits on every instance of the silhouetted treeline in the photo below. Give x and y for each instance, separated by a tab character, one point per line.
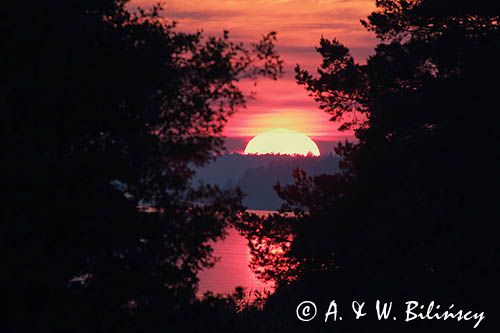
105	114
413	213
256	175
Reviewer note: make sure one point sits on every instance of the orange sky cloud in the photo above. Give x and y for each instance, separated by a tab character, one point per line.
300	24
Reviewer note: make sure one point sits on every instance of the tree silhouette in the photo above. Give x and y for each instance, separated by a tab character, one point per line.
105	114
412	212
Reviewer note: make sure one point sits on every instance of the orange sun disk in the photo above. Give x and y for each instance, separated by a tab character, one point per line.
282	141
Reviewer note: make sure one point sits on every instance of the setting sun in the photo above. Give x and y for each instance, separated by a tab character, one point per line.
282	141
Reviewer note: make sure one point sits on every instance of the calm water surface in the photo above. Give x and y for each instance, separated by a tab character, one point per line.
232	269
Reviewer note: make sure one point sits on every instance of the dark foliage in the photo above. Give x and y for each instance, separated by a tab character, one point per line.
105	114
413	214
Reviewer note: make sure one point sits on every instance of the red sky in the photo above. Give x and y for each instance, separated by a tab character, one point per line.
300	24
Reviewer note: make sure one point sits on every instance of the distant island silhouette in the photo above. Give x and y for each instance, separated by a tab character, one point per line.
256	175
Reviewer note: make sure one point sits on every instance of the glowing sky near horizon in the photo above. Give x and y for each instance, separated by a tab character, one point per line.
299	24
